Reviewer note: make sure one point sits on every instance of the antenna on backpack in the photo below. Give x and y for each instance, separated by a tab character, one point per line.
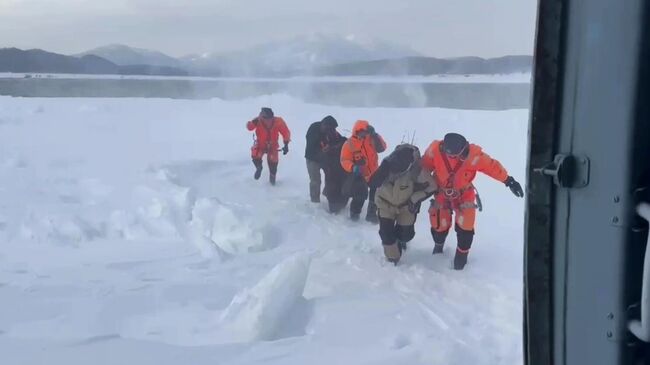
413	137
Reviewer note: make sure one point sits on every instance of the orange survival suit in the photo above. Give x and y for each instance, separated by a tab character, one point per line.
362	146
456	194
359	157
268	129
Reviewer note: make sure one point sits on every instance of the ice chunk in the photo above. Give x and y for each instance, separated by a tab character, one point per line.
257	313
229	227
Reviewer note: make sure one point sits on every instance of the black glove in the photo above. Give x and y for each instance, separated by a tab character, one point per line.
514	186
285	149
414	208
371	130
255	121
360	162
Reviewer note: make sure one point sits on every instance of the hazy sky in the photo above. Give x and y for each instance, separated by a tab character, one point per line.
443	28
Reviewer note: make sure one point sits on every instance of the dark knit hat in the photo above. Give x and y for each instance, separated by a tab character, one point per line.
454	144
330	121
266	113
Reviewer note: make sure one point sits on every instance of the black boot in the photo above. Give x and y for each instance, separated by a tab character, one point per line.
439	240
438	248
336	204
460	260
273	170
355	209
465	239
371	215
258	169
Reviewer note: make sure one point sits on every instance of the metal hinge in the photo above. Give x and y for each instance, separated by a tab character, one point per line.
567	171
641	327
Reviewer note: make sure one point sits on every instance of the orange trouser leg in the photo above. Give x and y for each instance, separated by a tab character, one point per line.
466	218
440	219
273	157
257	153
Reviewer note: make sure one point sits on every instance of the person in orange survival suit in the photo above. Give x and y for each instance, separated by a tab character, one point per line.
268	129
359	157
454	163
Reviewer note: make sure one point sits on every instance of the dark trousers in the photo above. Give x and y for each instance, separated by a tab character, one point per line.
273	166
336	200
335	178
357	188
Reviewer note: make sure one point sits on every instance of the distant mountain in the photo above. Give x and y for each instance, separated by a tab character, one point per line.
316	55
36	60
430	66
298	55
127	56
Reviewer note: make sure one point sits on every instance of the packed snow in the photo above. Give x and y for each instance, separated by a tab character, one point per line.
132	232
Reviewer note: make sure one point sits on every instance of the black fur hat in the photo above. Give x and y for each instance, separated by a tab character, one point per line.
401	160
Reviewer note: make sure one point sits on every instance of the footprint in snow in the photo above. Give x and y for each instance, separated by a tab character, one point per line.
96	339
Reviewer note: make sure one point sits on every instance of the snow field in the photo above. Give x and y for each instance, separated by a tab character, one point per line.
132	231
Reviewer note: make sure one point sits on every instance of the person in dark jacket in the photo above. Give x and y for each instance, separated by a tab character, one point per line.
335	177
321	138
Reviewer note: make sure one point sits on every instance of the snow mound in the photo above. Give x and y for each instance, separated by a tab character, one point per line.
59	229
157	213
228	226
256	314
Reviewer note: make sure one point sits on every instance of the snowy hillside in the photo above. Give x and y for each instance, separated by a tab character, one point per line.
133	233
298	54
126	56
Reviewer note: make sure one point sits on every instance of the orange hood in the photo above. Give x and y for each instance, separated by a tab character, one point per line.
359	126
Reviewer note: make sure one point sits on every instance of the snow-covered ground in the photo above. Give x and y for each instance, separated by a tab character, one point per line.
516	78
132	232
